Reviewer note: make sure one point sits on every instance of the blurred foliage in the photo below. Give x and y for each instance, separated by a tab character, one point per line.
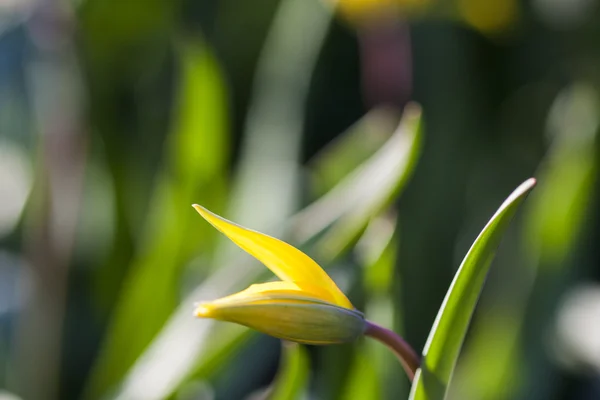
373	366
283	115
195	170
292	375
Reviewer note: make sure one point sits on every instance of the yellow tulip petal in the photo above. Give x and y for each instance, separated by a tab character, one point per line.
282	287
264	292
287	262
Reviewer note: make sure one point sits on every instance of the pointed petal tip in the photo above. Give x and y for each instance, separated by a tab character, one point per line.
203	211
202	310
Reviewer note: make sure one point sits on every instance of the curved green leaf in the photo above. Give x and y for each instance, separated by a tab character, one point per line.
358	197
351	148
450	326
553	226
293	373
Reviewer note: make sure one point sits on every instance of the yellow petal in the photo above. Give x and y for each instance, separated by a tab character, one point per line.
287	262
263	291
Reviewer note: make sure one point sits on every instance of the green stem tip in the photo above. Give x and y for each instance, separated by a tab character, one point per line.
408	357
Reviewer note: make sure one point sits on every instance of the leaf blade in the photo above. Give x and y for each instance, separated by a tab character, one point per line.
450	326
354	200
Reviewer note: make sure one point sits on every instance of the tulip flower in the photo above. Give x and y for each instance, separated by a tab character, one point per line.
306	306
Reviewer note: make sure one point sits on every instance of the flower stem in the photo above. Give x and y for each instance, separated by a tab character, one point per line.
408	357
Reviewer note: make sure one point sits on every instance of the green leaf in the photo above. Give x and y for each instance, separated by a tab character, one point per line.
376	251
345	210
194	171
447	334
554	222
558	210
292	377
351	148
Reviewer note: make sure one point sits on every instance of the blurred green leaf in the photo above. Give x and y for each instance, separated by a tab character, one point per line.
346	209
293	373
373	364
194	171
365	377
4	395
449	329
376	250
557	211
351	148
134	24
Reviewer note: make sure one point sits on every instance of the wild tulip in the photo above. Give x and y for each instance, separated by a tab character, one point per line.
306	306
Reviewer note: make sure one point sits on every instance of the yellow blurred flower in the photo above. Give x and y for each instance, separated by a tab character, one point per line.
359	10
489	16
306	306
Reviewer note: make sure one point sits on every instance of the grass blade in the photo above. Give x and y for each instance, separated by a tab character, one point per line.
450	326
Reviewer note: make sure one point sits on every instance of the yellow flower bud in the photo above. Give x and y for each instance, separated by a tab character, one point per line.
305	307
302	321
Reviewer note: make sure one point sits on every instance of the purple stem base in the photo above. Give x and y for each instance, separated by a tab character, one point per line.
408	357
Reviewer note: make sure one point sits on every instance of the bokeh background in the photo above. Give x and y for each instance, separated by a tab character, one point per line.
116	116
